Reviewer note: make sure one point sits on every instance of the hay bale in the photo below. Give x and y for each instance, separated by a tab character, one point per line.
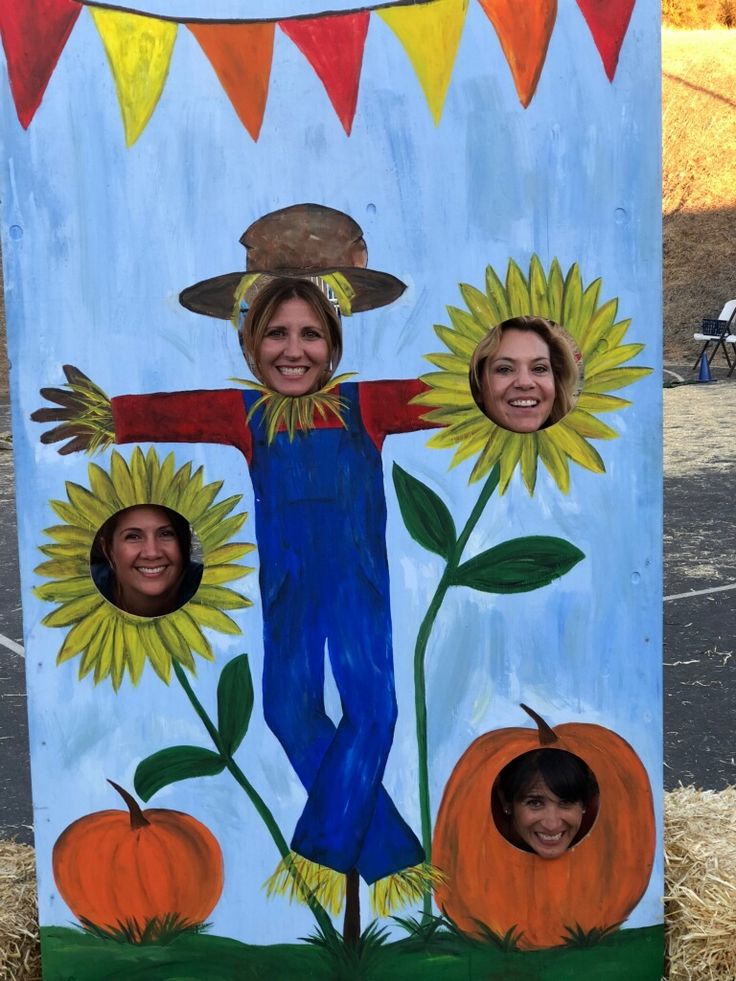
700	892
20	952
700	884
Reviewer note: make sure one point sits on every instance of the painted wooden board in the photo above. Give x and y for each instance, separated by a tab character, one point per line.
309	744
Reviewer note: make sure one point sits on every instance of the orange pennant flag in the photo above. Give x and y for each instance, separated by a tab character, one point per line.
241	55
333	46
524	30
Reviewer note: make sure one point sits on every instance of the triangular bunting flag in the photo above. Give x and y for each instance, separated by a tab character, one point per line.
241	55
139	51
608	21
333	46
430	34
524	30
34	33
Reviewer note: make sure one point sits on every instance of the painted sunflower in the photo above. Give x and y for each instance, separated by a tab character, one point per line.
109	640
598	334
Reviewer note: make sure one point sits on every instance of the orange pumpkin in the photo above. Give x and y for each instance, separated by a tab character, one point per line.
596	883
118	868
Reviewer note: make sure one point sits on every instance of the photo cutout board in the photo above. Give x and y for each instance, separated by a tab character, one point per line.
335	338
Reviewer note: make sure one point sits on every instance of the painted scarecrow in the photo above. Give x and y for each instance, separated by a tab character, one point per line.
320	516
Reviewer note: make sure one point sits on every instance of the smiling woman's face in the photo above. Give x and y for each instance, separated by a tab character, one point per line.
146	559
518	385
545	822
294	354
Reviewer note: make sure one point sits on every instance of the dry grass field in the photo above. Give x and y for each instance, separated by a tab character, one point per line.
699	182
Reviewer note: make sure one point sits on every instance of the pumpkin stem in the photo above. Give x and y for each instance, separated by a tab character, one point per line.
137	817
547	735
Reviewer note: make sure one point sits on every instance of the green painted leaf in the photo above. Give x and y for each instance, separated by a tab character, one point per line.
519	565
174	764
234	702
425	514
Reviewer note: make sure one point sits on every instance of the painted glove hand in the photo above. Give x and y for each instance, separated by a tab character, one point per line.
85	414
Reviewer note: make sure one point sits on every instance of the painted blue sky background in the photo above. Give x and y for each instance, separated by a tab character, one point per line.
98	240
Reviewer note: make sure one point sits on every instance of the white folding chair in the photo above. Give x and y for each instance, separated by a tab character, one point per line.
719	333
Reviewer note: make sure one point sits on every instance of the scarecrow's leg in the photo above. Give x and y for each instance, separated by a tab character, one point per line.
349	821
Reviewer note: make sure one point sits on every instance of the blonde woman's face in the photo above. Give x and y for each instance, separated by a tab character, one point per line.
518	385
293	356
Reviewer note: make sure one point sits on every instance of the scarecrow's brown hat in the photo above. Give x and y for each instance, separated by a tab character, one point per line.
301	241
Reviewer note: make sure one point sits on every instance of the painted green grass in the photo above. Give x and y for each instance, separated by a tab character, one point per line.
70	955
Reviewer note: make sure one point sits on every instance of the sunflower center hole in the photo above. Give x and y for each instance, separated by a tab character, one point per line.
146	560
526	374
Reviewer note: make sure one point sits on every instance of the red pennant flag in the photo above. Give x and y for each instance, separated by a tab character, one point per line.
608	21
241	55
524	30
34	33
333	46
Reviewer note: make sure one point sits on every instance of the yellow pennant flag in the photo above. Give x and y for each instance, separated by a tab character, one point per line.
430	34
139	51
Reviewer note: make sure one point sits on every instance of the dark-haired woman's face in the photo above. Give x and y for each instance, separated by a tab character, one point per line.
294	354
146	558
518	384
545	822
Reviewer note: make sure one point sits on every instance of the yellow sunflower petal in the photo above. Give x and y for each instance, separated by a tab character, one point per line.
229	553
577	448
216	575
156	651
529	451
62	568
517	291
135	655
215	619
497	298
593	402
458	343
585	424
596	329
64	590
102	487
94	649
80	637
510	457
140	476
554	461
538	289
103	661
174	643
121	478
161	482
192	634
74	610
555	289
615	378
614	358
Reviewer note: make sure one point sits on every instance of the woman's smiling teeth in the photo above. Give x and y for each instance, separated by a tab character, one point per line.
292	372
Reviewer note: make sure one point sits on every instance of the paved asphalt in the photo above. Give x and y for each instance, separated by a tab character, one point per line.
699	652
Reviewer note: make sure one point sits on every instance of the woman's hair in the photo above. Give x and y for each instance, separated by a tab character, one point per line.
562	359
263	308
103	539
566	775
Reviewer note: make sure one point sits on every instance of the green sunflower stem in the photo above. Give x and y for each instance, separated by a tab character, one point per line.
420	686
263	810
